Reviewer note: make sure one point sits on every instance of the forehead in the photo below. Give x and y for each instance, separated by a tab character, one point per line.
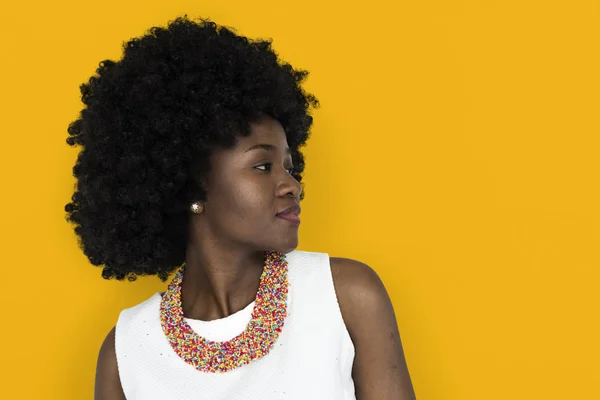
267	130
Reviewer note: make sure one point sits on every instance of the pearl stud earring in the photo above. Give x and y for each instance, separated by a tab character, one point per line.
197	208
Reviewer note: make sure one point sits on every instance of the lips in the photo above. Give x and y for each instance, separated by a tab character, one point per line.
290	211
291	214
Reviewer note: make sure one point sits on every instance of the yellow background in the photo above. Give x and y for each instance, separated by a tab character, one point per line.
455	151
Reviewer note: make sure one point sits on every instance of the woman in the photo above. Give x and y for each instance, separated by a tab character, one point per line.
191	165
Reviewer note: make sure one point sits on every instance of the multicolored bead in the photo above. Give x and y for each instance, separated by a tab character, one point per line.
256	341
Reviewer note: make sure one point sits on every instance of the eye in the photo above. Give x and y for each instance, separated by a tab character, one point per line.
267	167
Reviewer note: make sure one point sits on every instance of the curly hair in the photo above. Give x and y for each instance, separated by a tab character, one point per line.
147	129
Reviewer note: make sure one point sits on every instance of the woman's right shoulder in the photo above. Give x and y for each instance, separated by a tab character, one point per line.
139	312
108	383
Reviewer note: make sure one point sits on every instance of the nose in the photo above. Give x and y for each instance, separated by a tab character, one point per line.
289	186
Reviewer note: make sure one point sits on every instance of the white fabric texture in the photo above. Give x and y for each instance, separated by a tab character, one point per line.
312	358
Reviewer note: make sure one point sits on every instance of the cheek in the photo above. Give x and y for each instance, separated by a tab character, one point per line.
245	201
251	200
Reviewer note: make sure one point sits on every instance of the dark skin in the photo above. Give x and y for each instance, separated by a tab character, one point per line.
247	186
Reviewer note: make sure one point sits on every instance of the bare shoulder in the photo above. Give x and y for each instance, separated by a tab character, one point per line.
379	370
358	287
108	383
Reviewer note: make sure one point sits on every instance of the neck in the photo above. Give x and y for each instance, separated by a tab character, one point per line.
218	281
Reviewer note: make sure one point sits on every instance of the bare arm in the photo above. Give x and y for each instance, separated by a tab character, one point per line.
380	371
108	384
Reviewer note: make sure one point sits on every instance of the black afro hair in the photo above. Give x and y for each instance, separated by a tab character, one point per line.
147	129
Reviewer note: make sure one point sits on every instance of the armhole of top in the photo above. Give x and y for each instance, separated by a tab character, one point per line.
118	345
340	316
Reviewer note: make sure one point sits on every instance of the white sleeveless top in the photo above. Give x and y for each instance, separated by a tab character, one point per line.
311	359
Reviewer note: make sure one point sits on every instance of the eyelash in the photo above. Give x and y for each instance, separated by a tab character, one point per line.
290	170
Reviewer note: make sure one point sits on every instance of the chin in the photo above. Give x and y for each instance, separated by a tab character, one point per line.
285	246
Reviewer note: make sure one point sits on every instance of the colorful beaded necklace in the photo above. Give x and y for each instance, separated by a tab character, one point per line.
259	337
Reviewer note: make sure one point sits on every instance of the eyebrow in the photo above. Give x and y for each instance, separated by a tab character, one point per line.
268	147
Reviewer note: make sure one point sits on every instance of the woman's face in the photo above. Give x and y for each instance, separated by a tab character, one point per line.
248	186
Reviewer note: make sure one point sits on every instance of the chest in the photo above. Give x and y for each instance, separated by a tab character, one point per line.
304	364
